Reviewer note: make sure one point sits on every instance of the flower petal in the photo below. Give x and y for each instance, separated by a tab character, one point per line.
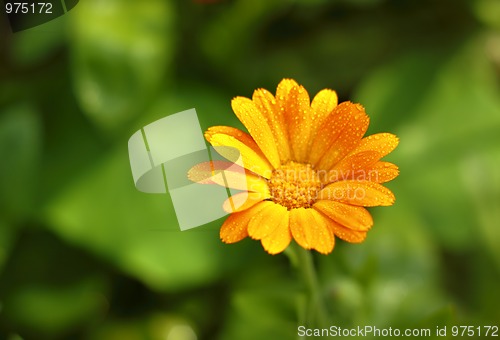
353	167
298	118
357	161
253	159
242	136
355	218
346	234
382	172
335	132
279	239
384	143
310	230
348	138
267	220
235	227
242	201
360	193
229	175
275	117
322	105
325	240
256	124
283	91
282	100
298	226
202	173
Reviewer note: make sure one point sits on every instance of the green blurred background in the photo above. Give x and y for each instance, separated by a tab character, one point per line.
83	255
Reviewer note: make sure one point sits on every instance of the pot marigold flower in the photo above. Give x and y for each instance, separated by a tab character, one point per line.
308	173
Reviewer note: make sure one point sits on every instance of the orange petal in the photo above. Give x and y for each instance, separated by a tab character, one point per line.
243	137
282	99
331	131
350	136
322	105
355	218
325	240
310	230
235	227
382	172
239	135
266	220
283	90
384	143
299	227
242	201
346	234
252	157
202	173
275	117
298	118
239	181
357	161
279	239
257	126
229	175
360	193
353	167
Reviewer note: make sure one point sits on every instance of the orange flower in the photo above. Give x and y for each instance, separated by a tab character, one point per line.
308	170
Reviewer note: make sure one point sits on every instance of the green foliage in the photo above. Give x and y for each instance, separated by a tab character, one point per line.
20	139
83	254
120	53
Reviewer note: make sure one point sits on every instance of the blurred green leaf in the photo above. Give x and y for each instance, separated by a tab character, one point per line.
393	92
456	115
488	11
222	45
262	311
390	278
48	289
482	182
120	52
20	146
7	235
38	43
154	327
212	105
101	210
54	310
104	213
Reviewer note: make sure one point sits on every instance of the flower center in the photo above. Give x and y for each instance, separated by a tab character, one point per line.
294	185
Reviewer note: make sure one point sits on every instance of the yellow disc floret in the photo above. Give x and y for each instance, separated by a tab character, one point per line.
295	185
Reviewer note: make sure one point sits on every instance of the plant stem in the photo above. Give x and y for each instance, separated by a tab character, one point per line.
315	313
